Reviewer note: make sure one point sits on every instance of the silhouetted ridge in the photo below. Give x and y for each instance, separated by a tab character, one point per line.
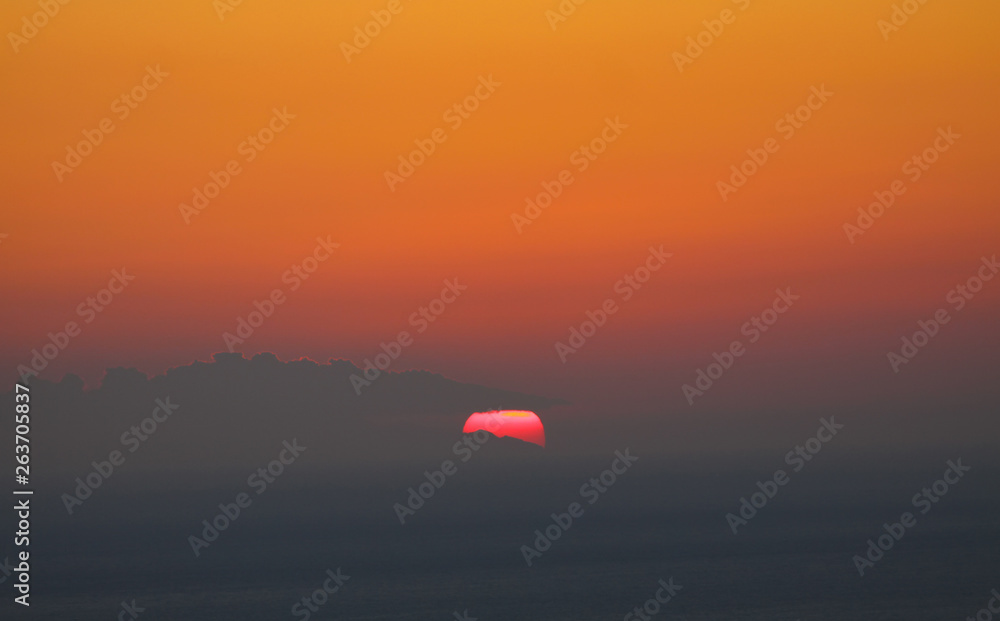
234	412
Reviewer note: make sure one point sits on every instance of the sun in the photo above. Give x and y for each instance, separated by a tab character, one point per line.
520	424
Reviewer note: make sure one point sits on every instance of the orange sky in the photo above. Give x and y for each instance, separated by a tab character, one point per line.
324	174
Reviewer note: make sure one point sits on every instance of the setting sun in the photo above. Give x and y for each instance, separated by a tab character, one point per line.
519	424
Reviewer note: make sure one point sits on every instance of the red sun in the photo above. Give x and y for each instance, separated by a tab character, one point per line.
519	424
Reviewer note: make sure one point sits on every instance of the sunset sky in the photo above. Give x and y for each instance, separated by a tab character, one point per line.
542	89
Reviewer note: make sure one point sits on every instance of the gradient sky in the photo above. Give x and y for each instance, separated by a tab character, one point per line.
656	184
